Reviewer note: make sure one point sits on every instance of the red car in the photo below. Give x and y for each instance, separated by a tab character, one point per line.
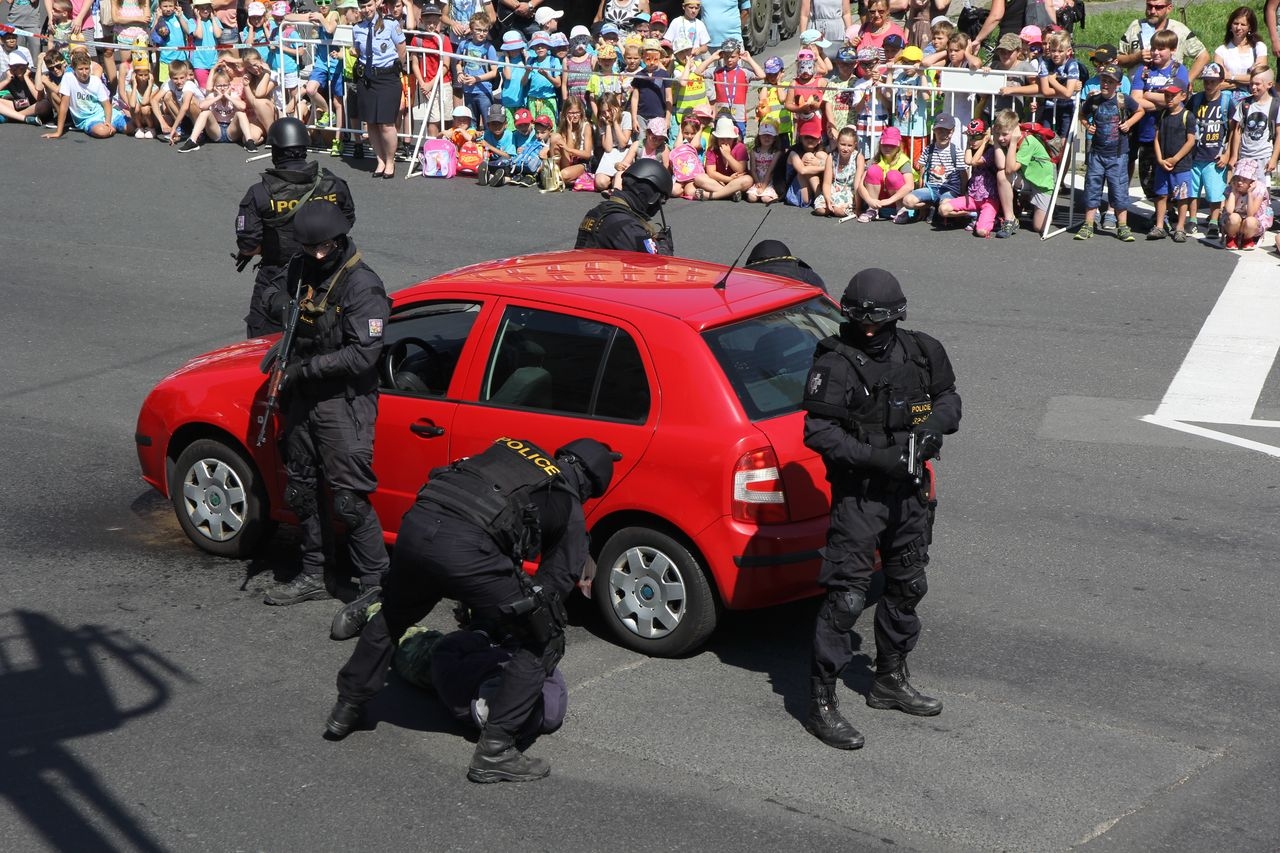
693	377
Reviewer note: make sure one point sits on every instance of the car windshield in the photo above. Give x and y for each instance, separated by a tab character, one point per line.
768	357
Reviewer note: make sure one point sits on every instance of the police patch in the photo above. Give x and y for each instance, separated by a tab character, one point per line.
240	222
375	328
816	383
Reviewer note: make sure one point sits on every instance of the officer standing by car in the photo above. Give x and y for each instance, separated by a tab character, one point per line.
264	223
465	538
331	380
623	221
774	256
878	401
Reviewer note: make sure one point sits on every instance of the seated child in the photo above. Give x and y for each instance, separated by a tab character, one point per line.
652	147
499	144
845	171
979	156
176	101
727	162
18	88
614	126
134	99
806	164
530	148
941	168
1248	207
765	156
222	118
86	100
889	179
1024	168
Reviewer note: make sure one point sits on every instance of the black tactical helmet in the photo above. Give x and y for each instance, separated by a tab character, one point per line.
874	296
288	132
652	173
317	221
593	459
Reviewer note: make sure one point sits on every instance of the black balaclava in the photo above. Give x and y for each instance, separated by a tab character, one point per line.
881	288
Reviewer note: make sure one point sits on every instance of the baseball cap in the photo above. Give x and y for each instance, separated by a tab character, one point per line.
1212	71
280	8
512	40
608	29
651	44
1173	89
867	54
847	54
814	37
944	121
725	128
767	128
540	39
640	16
1104	55
607	52
658	18
1110	72
432	9
810	127
657	126
1031	34
773	65
544	15
496	113
893	41
579	31
255	9
461	112
730	46
911	53
1009	41
977	127
559	39
523	116
543	121
891	136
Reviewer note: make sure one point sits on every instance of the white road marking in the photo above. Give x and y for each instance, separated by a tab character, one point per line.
1227	367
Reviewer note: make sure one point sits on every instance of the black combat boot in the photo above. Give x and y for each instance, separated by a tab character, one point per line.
350	620
826	723
892	690
496	759
342	719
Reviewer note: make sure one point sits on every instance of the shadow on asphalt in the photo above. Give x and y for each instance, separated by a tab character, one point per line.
54	681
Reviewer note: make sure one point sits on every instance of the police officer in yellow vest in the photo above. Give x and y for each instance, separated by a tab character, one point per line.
465	538
264	223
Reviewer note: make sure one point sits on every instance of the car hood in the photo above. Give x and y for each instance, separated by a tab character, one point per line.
235	356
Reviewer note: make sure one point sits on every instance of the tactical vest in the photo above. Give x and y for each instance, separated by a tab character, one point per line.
589	229
283	200
881	412
493	490
320	316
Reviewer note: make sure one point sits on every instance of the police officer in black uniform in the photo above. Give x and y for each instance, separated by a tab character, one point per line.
264	223
464	538
871	389
774	256
332	387
623	220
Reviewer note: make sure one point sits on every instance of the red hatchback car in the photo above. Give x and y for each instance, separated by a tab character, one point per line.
694	377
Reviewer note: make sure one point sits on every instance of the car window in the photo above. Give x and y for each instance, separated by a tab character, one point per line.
423	344
554	362
767	358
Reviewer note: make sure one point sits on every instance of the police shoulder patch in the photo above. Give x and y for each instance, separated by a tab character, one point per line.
816	384
375	328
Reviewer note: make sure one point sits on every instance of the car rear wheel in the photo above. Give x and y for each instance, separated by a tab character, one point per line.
653	594
759	23
219	499
790	15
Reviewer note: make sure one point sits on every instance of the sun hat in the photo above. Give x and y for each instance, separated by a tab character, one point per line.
725	128
891	136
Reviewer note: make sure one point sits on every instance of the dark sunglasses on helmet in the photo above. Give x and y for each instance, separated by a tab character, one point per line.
868	313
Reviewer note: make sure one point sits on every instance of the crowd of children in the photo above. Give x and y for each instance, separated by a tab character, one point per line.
857	129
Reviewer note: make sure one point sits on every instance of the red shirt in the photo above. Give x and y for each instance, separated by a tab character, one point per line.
429	63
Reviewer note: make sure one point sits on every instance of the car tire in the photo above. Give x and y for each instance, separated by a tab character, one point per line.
755	35
790	19
219	500
653	593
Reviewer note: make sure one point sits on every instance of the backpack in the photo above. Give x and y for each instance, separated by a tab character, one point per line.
469	158
1039	14
971	19
1053	144
439	158
685	165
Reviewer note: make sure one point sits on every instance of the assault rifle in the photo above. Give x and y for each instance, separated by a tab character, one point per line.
283	351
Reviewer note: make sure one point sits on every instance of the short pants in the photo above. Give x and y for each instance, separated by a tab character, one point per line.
932	195
1206	177
1176	185
330	80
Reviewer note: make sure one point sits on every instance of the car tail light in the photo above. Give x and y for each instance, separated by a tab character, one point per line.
758	495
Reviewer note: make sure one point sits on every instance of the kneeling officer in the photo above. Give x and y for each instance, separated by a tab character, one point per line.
623	222
473	524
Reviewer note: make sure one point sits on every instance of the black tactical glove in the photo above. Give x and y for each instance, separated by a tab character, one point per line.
889	462
928	444
293	373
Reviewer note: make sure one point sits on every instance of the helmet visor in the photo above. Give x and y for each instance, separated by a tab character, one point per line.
871	314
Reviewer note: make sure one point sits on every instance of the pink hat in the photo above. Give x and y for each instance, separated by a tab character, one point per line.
657	126
703	111
1247	169
891	136
1031	34
279	8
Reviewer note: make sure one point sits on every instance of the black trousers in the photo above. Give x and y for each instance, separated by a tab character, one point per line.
896	523
437	556
334	438
267	282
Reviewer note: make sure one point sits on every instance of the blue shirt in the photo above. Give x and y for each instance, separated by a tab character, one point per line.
1068	70
505	143
278	59
476	50
1104	114
176	38
259	38
723	19
385	40
1156	79
513	92
539	85
205	55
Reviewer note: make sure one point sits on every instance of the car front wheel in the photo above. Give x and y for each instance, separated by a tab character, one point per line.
653	594
219	499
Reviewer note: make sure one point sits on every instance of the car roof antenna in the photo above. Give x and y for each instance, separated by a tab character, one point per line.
719	285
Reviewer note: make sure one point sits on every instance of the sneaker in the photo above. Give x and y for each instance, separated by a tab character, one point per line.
1193	229
482	174
163	137
865	216
139	134
1124	233
902	217
189	146
497	177
736	197
1179	236
402	153
1157	233
1108	222
1007	229
1247	245
335	150
1085	232
1213	233
304	587
250	146
323	120
34	121
1231	243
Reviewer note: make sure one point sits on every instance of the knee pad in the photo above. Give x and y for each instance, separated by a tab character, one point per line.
352	507
301	500
842	608
907	593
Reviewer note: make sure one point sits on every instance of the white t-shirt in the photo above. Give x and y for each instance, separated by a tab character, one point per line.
1237	63
695	31
85	99
190	87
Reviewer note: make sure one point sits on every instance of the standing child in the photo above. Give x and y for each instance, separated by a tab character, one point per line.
889	179
477	71
1108	116
844	173
283	57
1060	80
430	72
1024	169
514	73
1248	207
1210	110
764	156
222	118
1254	134
941	169
910	102
1149	82
206	29
689	87
604	80
771	95
171	26
979	156
578	65
1175	139
546	75
731	79
650	87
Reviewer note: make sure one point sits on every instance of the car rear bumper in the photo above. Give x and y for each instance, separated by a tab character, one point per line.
764	565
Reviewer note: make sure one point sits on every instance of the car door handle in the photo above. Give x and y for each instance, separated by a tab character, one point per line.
426	430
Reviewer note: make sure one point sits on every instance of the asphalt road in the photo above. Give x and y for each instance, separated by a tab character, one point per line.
1099	622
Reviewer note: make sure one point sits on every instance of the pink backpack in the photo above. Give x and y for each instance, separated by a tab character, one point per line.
685	165
439	158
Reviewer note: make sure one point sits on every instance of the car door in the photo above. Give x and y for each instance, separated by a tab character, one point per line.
429	345
552	374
